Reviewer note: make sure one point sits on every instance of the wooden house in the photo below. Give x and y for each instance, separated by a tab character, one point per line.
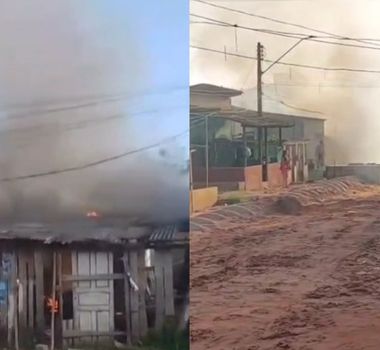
65	284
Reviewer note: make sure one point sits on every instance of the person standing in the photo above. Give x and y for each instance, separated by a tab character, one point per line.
284	167
320	155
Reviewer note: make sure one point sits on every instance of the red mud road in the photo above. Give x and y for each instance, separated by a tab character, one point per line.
310	281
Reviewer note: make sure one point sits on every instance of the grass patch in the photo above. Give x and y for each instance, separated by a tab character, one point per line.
232	200
234	197
168	339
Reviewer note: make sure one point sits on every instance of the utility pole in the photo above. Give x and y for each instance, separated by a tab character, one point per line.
260	49
260	73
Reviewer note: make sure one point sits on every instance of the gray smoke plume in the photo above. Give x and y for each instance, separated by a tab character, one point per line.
56	60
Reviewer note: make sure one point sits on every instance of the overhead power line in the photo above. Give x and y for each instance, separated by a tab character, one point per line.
307	66
284	34
32	105
80	124
61	109
337	36
80	103
291	106
324	85
94	163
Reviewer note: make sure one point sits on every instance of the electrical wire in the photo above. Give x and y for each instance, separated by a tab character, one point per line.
283	55
285	34
60	109
92	102
337	36
327	85
79	124
342	69
52	102
290	106
94	163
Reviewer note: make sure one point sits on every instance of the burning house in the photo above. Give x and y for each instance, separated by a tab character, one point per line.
93	280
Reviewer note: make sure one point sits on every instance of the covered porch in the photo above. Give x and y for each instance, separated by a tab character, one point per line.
235	148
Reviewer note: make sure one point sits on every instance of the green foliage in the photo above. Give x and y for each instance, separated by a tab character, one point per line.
232	200
168	339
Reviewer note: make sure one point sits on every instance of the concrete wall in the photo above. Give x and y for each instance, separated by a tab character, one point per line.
249	178
274	175
253	178
225	174
203	198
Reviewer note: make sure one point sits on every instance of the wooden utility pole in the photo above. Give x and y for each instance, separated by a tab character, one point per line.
260	97
259	80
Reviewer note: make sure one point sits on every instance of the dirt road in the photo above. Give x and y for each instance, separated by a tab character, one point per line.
305	282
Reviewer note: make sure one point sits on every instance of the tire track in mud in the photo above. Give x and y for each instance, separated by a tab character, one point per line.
354	286
288	282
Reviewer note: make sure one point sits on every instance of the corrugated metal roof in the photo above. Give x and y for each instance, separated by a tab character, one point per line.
164	233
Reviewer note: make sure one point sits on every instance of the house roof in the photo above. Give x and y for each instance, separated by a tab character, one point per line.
295	116
244	116
85	231
169	233
214	90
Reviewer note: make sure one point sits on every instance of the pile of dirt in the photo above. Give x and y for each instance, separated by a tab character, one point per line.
317	193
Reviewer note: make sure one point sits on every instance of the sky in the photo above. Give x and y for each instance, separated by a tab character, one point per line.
129	55
348	101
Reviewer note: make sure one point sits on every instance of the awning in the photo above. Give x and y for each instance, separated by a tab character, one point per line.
243	116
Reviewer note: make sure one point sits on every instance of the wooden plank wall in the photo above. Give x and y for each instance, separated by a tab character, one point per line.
12	301
164	293
159	290
31	302
135	305
21	295
39	283
143	281
4	295
134	297
23	284
25	303
26	297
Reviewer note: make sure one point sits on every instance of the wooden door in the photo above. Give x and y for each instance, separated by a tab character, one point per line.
93	296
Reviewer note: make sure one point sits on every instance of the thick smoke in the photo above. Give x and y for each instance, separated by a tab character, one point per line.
64	55
347	100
